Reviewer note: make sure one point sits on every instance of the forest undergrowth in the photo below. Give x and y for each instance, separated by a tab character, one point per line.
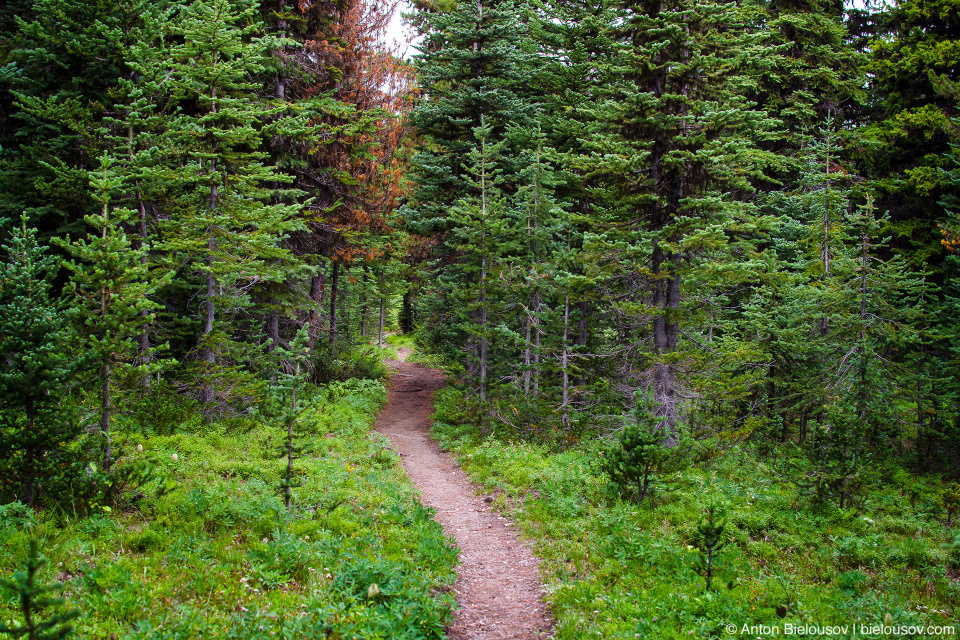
616	569
206	549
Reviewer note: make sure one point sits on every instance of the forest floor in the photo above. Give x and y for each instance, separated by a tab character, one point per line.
498	585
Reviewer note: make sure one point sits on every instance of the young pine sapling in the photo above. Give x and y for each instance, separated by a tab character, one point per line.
290	380
640	452
35	599
709	540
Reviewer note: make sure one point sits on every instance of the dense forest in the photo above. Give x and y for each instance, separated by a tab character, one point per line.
657	231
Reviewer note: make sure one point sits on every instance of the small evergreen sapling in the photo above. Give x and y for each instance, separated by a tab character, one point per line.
295	360
641	450
709	540
35	600
835	459
950	498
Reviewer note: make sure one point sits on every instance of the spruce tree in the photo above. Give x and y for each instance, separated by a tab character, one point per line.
680	147
35	426
478	234
478	69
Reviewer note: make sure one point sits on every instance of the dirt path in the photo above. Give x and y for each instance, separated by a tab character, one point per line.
498	585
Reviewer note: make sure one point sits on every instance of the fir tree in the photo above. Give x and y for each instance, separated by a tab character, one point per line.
639	453
291	380
678	151
478	68
111	288
479	232
225	225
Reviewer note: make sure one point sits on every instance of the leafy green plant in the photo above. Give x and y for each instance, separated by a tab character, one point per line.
36	601
709	540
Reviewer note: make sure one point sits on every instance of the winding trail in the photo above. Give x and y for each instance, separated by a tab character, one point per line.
498	584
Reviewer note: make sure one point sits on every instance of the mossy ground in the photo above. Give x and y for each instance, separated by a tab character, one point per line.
218	555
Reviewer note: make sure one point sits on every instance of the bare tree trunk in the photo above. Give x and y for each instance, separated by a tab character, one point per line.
528	348
363	321
313	316
334	281
535	388
406	324
273	331
105	418
665	331
208	355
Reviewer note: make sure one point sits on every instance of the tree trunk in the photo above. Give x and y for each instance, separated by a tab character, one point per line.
106	408
364	312
273	331
209	356
313	316
665	331
208	352
535	387
483	272
565	401
29	457
334	282
406	319
382	308
527	350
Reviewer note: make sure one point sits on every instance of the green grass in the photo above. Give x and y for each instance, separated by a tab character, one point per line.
401	341
617	570
219	556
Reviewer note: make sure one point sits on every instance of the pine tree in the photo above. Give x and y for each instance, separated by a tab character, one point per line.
290	382
909	129
709	539
639	453
70	56
35	427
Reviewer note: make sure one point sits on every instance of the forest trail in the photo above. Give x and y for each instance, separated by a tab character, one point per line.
498	583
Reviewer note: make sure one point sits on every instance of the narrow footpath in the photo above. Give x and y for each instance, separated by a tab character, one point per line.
498	584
